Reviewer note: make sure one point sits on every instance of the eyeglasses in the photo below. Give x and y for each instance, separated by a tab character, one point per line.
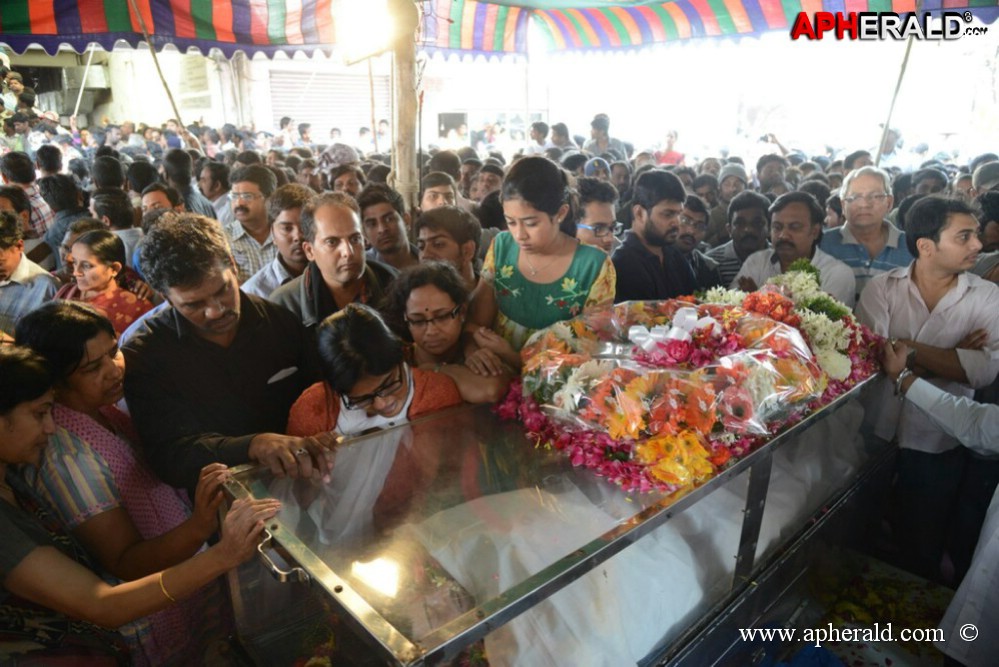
690	222
244	196
601	230
870	198
436	321
386	388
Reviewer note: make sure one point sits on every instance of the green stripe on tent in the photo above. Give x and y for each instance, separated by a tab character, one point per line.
981	3
544	30
669	25
275	22
500	30
457	9
116	14
14	16
622	32
580	30
204	28
791	9
722	16
879	5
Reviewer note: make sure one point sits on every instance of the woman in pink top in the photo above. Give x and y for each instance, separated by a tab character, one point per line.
94	480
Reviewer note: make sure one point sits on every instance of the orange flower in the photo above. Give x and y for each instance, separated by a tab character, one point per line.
676	459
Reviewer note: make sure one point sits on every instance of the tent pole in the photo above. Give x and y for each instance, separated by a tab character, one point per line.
371	91
83	83
406	177
894	97
152	51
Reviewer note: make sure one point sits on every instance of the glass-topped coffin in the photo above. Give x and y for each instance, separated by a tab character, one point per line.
430	536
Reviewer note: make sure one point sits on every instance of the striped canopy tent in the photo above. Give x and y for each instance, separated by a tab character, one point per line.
451	26
587	25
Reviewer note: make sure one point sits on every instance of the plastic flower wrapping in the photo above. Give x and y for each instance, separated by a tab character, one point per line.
662	395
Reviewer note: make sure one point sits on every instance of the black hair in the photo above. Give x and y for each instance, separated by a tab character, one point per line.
562	130
379	173
353	342
748	199
816	212
141	175
705	179
171	193
684	171
771	157
853	157
78	167
49	158
446	161
346	169
441	275
654	186
116	206
817	189
258	174
541	128
307	220
280	176
836	204
10	230
183	250
594	190
459	223
17	167
178	167
490	212
218	171
903	210
379	193
436	179
107	173
24	376
17	197
304	127
286	197
697	205
60	192
248	158
928	217
543	185
107	246
81	226
58	331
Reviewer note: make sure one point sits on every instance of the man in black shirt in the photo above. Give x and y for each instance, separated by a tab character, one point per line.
648	265
213	377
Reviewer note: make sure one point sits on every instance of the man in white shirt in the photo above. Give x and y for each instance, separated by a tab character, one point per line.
539	139
935	307
971	623
284	208
795	231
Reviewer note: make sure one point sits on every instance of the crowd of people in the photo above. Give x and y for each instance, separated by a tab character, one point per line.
178	300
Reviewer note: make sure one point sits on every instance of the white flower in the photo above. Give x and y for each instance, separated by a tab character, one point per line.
726	297
823	333
800	285
836	365
579	384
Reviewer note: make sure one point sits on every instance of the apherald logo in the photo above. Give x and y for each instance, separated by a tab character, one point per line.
884	25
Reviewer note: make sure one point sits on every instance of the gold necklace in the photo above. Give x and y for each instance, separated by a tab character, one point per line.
535	271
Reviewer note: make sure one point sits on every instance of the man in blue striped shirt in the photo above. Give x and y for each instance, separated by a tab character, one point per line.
867	243
23	284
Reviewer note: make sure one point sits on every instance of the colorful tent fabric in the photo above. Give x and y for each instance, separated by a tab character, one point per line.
463	26
481	28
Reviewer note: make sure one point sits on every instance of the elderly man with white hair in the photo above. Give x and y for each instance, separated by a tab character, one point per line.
867	242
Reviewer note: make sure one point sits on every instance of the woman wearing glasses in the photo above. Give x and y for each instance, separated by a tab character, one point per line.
537	273
427	306
368	383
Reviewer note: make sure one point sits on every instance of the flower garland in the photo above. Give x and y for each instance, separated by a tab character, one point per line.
661	395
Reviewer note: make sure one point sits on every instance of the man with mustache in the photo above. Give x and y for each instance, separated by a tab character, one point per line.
250	235
795	230
338	272
284	209
212	377
690	242
748	219
648	265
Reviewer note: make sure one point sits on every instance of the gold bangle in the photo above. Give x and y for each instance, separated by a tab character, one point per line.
163	588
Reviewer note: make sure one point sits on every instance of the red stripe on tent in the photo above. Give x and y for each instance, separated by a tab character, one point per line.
654	22
855	6
606	26
810	7
904	6
324	21
740	19
146	12
222	22
183	22
42	17
773	12
711	27
92	17
591	35
559	17
258	21
489	27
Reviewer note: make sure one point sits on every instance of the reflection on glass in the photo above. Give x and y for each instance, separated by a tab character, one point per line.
381	574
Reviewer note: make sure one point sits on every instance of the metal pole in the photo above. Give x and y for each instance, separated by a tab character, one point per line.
152	51
83	83
371	90
406	177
